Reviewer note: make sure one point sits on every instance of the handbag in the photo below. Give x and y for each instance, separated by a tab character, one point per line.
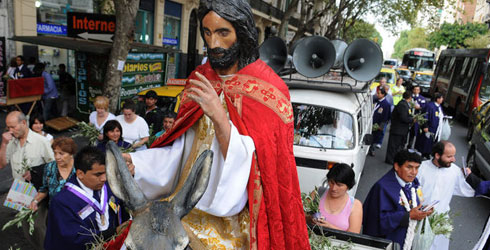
423	236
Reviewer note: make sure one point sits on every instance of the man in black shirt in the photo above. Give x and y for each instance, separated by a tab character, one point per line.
153	115
401	119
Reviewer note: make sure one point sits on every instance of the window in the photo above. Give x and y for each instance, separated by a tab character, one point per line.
485	88
322	127
144	27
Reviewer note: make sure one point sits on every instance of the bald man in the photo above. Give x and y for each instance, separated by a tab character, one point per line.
19	143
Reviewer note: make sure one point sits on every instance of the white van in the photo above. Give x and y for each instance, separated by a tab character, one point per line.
332	124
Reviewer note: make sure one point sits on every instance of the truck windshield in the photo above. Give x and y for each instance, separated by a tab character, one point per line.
322	127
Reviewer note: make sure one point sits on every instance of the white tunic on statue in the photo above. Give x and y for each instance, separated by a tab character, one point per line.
157	171
441	184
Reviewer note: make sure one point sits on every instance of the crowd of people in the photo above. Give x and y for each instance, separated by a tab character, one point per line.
253	190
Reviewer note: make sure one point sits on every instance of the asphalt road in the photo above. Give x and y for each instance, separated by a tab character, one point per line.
470	214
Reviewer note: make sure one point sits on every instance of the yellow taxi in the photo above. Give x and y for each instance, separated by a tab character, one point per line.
168	96
389	74
478	116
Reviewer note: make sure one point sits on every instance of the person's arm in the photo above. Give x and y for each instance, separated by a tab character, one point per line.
355	218
203	93
37	199
6	137
141	142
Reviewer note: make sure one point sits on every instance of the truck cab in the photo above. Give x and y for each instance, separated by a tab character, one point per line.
332	124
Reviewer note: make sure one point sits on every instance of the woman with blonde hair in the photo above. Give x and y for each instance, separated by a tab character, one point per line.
101	114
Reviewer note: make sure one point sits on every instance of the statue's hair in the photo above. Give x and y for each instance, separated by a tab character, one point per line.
239	14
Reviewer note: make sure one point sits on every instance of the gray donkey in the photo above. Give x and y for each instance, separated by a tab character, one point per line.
156	224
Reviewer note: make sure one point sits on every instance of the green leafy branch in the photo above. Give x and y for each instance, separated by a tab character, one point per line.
25	167
88	131
420	118
23	215
311	201
323	242
441	224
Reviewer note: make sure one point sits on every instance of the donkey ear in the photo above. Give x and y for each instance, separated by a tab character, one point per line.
195	185
120	180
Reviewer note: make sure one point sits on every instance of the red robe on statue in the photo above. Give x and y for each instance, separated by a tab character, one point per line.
258	104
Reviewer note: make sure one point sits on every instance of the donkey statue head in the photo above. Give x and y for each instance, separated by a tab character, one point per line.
156	224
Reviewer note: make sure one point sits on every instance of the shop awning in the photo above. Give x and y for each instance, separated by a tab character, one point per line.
83	45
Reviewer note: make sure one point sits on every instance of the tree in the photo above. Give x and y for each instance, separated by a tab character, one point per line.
334	17
414	38
362	29
126	11
478	42
454	35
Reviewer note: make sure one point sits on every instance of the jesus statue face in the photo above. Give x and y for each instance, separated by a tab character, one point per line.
408	171
221	40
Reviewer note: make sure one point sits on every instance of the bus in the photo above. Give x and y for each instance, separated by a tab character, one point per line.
418	59
463	77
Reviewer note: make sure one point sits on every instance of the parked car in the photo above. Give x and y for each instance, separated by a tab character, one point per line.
389	74
168	97
422	79
405	74
478	158
478	114
390	63
326	132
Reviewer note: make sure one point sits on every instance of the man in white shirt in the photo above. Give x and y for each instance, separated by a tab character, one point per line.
440	179
21	147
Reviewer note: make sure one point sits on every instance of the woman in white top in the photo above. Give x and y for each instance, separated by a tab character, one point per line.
101	114
135	128
36	124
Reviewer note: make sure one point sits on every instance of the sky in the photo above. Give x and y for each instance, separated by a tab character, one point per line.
388	38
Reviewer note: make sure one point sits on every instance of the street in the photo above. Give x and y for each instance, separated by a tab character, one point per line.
469	214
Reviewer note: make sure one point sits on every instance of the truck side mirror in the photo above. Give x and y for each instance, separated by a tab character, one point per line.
368	139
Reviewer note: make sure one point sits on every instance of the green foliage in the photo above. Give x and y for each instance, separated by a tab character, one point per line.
414	38
25	214
441	224
311	201
454	35
88	131
478	42
392	13
322	242
362	29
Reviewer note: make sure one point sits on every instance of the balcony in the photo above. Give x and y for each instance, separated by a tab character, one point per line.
270	10
267	8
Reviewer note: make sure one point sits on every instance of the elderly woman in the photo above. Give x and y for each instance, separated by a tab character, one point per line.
337	209
36	124
57	172
101	114
136	131
113	132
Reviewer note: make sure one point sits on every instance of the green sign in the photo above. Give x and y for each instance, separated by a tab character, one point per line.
142	71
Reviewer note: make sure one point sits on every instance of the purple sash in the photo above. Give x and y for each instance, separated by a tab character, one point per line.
80	193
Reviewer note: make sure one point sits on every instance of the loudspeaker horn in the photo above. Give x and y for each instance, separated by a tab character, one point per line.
363	59
313	56
274	52
340	47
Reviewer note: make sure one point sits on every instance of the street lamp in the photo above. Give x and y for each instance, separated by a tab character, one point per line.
38	4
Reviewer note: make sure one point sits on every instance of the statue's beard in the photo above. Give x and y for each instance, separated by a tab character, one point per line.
229	57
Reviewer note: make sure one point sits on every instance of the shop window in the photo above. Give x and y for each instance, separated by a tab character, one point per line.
144	27
54	11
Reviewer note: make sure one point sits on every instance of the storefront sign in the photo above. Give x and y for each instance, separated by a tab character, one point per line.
90	26
170	41
142	71
90	78
51	29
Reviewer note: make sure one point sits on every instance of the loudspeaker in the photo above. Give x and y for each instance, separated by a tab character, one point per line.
340	47
313	56
363	59
274	52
